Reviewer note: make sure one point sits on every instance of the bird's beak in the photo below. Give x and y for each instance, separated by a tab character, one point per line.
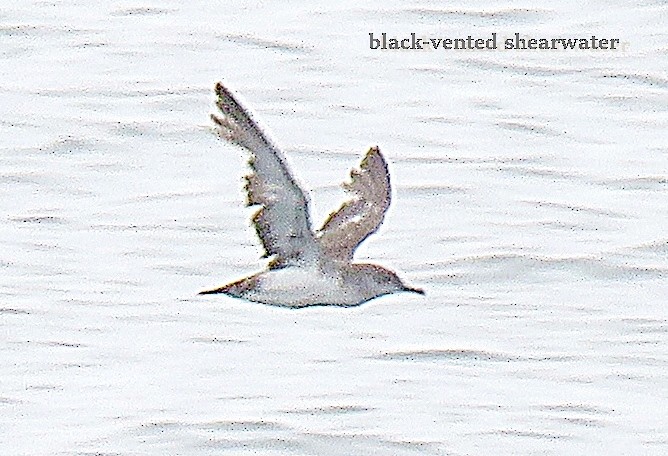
414	290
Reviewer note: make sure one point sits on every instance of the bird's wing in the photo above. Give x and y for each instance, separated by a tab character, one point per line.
282	221
360	216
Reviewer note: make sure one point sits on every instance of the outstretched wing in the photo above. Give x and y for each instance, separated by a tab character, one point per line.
360	216
282	221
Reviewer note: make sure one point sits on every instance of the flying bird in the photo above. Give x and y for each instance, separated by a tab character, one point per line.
306	267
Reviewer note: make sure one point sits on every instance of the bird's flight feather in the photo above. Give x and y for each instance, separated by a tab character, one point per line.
359	217
282	220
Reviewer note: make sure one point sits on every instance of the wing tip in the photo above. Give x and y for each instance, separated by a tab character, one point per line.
373	156
220	89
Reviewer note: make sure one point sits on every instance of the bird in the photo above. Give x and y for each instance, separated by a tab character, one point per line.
306	267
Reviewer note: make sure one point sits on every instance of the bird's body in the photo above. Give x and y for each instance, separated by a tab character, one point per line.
314	285
307	267
296	287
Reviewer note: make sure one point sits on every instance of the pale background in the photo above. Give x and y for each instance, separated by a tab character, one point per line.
530	201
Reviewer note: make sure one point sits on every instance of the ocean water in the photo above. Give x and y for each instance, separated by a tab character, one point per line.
530	201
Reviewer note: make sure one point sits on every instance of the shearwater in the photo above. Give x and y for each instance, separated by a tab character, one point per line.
307	268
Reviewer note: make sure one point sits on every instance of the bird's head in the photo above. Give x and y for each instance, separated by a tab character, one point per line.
381	281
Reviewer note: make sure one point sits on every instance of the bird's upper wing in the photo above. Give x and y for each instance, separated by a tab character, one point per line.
282	221
360	216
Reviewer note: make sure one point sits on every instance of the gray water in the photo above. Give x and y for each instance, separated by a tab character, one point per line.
530	201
